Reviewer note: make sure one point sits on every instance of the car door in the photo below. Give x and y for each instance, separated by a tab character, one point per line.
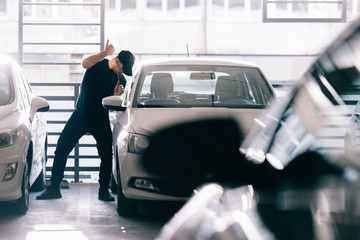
38	133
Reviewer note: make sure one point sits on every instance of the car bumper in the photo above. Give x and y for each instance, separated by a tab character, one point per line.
11	189
138	183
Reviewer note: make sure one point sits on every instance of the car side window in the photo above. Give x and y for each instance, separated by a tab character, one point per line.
125	96
26	86
25	101
6	85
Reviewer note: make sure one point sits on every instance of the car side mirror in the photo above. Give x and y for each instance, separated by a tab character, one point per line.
113	103
38	104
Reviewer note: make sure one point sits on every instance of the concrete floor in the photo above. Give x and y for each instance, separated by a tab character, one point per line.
80	215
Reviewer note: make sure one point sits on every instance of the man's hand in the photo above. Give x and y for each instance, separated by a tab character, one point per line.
119	89
93	59
109	48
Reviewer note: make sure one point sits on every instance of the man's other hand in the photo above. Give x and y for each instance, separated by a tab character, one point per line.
119	89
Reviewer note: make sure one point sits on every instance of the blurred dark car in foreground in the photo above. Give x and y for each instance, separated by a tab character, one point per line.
291	178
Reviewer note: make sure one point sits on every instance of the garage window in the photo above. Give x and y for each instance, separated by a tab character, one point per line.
154	4
234	10
2	7
126	4
304	10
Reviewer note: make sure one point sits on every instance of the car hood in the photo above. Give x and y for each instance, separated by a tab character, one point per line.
6	112
148	121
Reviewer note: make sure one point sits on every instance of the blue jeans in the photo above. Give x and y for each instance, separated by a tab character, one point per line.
74	129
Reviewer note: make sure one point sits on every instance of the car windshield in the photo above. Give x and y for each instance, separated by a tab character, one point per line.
6	88
202	86
320	113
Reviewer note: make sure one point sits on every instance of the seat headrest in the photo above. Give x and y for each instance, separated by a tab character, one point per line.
226	87
161	85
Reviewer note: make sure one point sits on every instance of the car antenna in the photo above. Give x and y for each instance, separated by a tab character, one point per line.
187	49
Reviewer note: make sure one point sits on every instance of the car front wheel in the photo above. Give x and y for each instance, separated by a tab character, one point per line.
125	207
22	205
113	185
40	182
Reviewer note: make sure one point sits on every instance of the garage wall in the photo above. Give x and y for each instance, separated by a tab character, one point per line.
283	50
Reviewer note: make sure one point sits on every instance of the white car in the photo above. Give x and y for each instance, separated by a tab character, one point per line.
170	91
23	137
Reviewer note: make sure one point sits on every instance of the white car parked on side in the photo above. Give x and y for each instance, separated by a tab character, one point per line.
166	92
23	137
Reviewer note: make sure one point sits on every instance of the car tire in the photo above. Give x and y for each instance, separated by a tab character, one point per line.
22	204
125	207
40	182
113	185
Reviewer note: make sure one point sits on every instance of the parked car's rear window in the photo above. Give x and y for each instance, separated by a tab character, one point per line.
6	86
202	86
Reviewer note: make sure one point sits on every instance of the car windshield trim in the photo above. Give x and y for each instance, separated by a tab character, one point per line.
184	86
213	106
6	85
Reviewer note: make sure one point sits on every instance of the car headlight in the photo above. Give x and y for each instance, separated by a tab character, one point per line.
10	171
8	137
137	143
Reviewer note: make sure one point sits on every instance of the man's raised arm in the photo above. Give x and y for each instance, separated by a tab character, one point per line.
93	59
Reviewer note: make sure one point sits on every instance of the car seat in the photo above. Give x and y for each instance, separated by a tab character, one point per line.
231	90
161	86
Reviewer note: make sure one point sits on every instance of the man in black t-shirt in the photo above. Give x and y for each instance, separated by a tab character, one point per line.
102	78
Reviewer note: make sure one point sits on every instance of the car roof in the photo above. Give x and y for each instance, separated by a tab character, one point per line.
195	61
5	59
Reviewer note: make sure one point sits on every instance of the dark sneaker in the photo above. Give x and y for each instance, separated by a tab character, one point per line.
50	193
104	195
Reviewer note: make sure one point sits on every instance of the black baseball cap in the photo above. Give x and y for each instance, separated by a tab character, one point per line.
127	59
